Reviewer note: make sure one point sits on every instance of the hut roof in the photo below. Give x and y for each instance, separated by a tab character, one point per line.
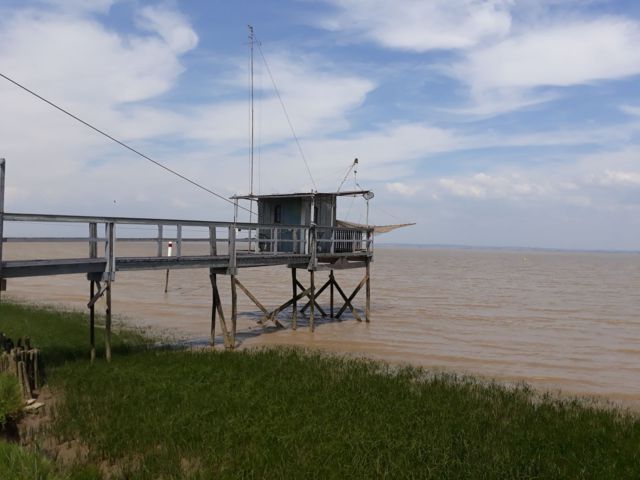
351	193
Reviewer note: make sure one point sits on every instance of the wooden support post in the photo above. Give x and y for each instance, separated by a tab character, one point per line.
93	253
213	251
107	331
367	305
110	276
234	311
312	325
218	305
214	306
92	322
294	314
232	251
332	280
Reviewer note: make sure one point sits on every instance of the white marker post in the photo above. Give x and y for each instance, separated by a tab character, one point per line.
169	254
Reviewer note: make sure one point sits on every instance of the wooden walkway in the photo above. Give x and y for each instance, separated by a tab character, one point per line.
232	246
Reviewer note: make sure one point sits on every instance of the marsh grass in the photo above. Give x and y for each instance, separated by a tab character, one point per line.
287	413
10	398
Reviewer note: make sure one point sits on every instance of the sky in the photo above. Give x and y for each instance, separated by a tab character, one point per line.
488	123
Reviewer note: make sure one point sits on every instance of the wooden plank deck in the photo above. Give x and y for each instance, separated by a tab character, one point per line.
37	268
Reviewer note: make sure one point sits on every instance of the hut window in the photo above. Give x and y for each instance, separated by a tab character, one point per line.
277	214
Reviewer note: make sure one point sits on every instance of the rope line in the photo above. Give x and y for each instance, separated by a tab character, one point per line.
122	144
286	114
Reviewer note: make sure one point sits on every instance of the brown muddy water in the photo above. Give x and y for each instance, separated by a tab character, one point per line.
557	320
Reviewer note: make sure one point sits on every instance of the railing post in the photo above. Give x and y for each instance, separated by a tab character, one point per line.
294	240
275	240
178	241
2	174
333	240
313	246
232	250
159	251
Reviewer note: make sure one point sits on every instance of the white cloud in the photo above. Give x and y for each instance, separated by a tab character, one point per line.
618	178
483	185
403	188
316	94
76	60
418	25
561	55
171	25
631	110
508	74
81	6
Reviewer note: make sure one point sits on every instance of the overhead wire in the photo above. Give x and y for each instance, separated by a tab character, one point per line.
286	114
121	143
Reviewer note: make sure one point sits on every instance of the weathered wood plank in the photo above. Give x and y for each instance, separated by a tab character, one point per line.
347	302
322	312
251	296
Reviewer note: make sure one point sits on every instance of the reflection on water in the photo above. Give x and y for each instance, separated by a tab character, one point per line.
555	319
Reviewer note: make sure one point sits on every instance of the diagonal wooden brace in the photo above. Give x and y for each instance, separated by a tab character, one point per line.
97	296
322	312
348	301
322	289
228	343
272	315
252	297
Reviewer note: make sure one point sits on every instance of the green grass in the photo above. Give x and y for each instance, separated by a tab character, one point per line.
10	397
285	413
17	464
63	335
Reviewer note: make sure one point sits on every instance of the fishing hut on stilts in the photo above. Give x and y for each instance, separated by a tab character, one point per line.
299	231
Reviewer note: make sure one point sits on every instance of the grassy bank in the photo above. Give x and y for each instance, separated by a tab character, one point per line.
289	414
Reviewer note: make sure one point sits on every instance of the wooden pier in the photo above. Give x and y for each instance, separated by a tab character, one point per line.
232	246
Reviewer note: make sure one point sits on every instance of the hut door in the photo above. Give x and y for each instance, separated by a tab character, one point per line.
290	216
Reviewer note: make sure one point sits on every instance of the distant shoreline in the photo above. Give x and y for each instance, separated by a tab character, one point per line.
436	246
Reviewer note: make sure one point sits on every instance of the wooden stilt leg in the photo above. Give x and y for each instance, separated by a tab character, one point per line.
223	323
234	311
367	306
107	332
313	303
214	308
92	321
331	293
294	315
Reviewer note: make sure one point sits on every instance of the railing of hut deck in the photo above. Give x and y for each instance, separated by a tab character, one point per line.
311	241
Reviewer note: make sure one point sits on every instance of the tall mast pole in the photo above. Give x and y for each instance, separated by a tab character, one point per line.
251	41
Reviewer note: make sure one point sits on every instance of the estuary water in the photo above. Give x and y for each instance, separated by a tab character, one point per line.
565	321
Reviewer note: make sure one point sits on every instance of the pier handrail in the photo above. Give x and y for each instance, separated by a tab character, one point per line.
303	239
